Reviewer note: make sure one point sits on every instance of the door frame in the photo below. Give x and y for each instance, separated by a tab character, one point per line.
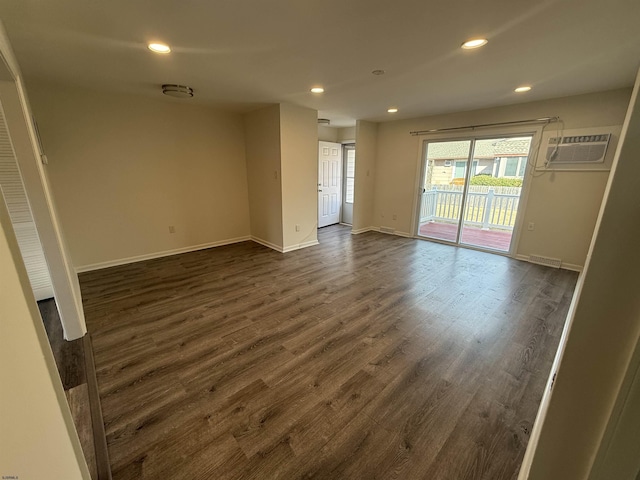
535	131
18	117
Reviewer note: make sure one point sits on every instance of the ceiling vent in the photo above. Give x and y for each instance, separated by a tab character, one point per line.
577	149
324	121
179	91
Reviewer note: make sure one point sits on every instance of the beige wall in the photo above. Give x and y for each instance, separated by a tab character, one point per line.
366	138
603	331
123	169
336	135
37	437
299	164
262	133
563	205
346	134
327	134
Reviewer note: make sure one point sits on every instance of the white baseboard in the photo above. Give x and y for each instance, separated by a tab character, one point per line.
291	248
273	246
566	266
363	230
391	231
166	253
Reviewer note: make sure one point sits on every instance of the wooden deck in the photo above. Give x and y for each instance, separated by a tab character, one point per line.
493	239
365	357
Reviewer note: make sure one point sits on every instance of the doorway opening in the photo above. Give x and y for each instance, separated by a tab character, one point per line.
471	190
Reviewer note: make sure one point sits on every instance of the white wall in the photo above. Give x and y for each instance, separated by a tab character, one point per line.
299	164
262	129
123	169
602	331
563	205
38	439
363	199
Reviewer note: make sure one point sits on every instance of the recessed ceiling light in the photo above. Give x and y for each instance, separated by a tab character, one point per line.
317	90
159	48
475	43
392	110
522	89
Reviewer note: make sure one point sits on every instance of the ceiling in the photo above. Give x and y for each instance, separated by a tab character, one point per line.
243	54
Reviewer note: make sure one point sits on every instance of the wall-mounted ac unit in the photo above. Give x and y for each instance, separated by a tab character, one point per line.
580	149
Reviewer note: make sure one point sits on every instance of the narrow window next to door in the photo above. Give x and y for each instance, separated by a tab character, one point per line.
350	175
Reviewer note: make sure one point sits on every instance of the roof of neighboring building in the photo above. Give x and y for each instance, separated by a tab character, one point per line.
503	147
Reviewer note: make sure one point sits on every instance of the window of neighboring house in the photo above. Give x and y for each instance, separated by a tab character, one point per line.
350	175
458	171
514	166
511	168
523	165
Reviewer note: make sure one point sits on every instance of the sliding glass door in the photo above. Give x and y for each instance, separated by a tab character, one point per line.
471	190
444	182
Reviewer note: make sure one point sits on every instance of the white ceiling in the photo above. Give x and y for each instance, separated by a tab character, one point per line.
242	54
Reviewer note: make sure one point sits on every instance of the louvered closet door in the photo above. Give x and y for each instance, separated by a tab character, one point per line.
15	198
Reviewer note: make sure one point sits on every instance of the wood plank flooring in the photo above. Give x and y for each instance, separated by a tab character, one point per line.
80	388
365	357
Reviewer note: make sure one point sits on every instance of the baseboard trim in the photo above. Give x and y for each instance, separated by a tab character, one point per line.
166	253
565	266
291	248
362	230
386	231
270	245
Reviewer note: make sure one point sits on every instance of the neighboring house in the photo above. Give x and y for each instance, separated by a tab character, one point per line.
506	157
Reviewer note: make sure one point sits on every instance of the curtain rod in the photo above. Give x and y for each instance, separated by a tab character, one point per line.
484	125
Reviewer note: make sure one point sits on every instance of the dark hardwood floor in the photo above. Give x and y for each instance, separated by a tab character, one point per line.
74	362
365	357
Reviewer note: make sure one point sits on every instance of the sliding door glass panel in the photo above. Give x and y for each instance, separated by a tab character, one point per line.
445	171
493	196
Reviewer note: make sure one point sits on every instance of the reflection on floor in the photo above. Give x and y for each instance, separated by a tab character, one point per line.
495	239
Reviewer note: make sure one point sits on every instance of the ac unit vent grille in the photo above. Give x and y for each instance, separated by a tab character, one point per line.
547	261
387	230
577	149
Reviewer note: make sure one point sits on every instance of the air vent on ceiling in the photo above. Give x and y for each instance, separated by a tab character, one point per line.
577	149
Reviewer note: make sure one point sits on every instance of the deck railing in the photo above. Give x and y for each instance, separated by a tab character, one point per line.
486	209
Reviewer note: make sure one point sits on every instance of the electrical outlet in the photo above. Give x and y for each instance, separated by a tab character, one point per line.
395	217
530	226
297	228
172	229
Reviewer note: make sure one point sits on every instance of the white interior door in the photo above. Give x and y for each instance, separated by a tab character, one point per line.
329	183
